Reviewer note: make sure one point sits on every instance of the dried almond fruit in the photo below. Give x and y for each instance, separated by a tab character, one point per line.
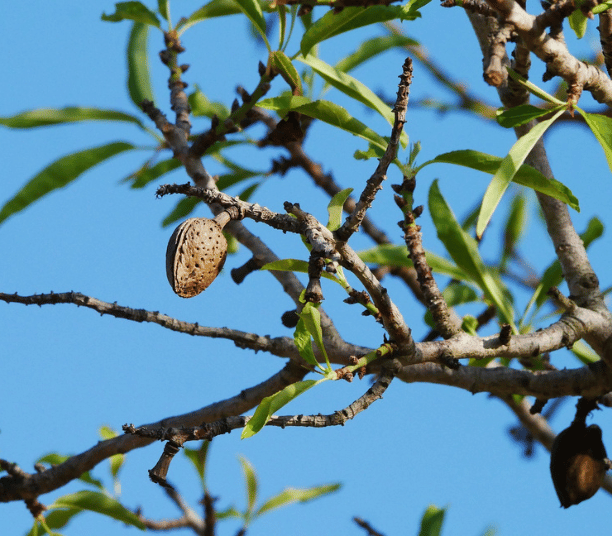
195	255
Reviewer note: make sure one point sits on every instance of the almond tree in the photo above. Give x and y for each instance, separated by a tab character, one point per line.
500	343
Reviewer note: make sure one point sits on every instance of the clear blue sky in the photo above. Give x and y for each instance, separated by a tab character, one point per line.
66	371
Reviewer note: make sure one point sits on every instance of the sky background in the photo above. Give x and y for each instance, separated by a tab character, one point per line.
66	371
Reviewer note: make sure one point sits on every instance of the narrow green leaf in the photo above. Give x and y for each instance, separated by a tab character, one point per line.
252	10
525	176
43	117
116	461
198	458
59	174
325	111
164	9
540	93
332	24
602	128
391	255
514	227
463	249
291	495
282	24
578	22
283	65
100	503
303	342
372	48
56	519
201	106
215	8
135	11
139	80
182	209
250	479
145	175
373	152
55	459
295	265
353	88
432	520
508	169
335	207
600	8
273	403
312	320
519	115
584	353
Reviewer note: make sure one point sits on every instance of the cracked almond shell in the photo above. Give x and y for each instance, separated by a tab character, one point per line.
195	255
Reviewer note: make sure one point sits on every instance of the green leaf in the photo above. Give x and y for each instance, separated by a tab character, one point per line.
182	209
198	458
146	174
283	65
578	22
432	520
135	11
334	209
59	174
116	461
215	8
44	117
584	353
525	176
353	88
519	115
325	111
55	459
515	226
371	48
602	128
56	519
463	249
252	10
164	9
291	495
312	320
332	24
508	169
250	479
139	80
295	265
100	503
303	342
201	106
600	8
391	255
273	403
532	88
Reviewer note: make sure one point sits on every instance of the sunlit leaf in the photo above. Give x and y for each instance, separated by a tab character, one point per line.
291	496
525	176
332	24
578	22
271	404
252	10
164	9
392	255
215	8
303	343
135	11
139	79
353	88
201	106
335	208
312	320
432	520
514	227
59	174
56	519
509	168
100	503
43	117
250	479
372	48
532	88
584	353
289	73
519	115
463	249
602	128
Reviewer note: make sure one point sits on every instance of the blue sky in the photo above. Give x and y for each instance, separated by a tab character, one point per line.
67	371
